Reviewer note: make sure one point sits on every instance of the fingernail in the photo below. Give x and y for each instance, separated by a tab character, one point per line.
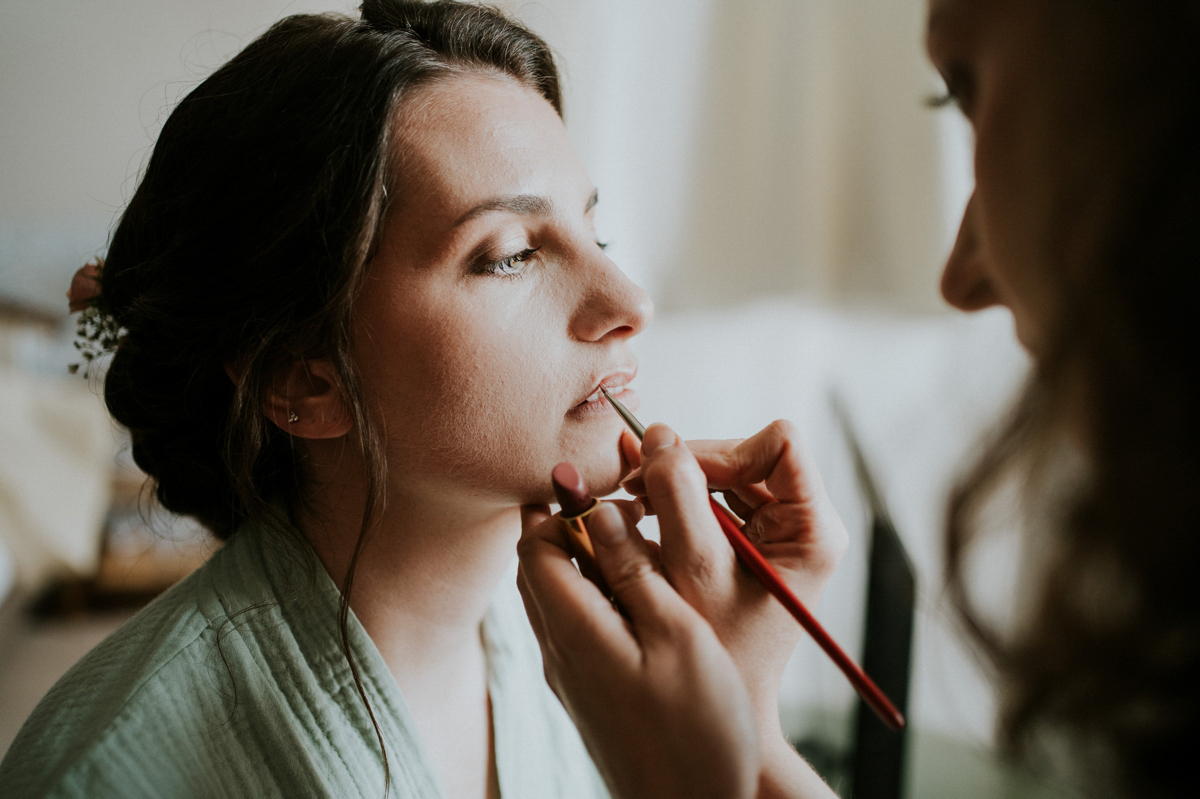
658	437
606	526
635	474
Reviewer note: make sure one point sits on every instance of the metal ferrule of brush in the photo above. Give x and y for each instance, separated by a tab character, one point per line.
638	429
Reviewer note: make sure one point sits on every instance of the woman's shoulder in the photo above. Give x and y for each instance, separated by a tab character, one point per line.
133	715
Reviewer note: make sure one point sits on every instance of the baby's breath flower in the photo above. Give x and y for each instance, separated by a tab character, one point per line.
96	332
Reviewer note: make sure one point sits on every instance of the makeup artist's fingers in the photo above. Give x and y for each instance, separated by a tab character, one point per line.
740	465
532	611
657	699
773	459
771	484
621	552
647	505
805	534
799	530
532	516
748	498
802	515
634	484
736	504
559	600
631	567
633	509
773	466
705	450
693	545
631	451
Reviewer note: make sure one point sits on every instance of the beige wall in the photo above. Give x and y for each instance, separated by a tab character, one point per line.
84	88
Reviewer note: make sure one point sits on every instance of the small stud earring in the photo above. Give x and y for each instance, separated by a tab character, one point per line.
292	417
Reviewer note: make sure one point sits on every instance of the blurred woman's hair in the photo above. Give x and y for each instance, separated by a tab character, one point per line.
1110	654
245	244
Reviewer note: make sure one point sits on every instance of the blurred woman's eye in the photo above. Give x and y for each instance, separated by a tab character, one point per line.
960	90
512	266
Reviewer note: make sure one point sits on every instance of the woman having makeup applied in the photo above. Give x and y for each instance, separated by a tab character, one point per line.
1083	224
360	312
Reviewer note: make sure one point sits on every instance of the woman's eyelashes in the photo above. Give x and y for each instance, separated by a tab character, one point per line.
960	90
511	266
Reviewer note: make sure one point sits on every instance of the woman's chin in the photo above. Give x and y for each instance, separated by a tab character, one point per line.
601	472
604	471
602	488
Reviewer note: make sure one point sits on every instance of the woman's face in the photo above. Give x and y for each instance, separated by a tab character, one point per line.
992	55
1070	101
491	315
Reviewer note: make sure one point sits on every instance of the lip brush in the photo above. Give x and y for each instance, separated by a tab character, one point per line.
770	579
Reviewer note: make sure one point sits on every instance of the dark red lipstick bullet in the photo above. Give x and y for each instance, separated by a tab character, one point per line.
577	503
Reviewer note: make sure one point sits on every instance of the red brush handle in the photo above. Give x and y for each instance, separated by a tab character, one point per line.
770	579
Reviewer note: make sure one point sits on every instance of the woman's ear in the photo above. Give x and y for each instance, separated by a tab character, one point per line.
305	400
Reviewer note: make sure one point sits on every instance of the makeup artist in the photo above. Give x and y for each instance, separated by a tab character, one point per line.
1083	223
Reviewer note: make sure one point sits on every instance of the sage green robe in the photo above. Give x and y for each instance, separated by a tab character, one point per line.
234	683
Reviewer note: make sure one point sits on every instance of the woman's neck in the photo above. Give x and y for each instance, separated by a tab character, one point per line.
423	580
426	572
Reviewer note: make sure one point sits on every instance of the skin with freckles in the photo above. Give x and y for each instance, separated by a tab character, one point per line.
488	316
477	363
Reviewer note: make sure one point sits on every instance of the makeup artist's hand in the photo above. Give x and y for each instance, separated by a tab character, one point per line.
770	482
658	701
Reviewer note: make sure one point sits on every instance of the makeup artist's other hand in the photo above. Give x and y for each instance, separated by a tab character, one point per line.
770	482
657	699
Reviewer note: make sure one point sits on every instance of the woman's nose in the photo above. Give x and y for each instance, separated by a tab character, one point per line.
966	283
612	305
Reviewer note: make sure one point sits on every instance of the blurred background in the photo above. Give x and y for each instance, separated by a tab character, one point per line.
769	170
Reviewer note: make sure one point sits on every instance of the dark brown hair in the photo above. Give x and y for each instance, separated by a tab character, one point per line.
248	236
1109	656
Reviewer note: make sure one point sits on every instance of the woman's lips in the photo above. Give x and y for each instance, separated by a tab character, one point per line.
617	383
595	396
614	381
596	403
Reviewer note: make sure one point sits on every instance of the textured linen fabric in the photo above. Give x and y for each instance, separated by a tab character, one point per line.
233	683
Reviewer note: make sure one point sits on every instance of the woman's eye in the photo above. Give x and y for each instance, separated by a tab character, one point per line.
940	100
960	91
512	266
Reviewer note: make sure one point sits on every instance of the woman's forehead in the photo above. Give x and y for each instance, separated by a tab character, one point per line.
956	18
476	141
470	137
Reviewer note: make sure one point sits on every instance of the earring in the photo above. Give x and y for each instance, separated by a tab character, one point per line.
292	417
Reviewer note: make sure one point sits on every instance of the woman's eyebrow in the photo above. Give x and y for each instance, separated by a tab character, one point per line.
945	23
524	204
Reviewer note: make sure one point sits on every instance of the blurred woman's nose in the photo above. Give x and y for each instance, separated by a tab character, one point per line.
966	283
612	305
